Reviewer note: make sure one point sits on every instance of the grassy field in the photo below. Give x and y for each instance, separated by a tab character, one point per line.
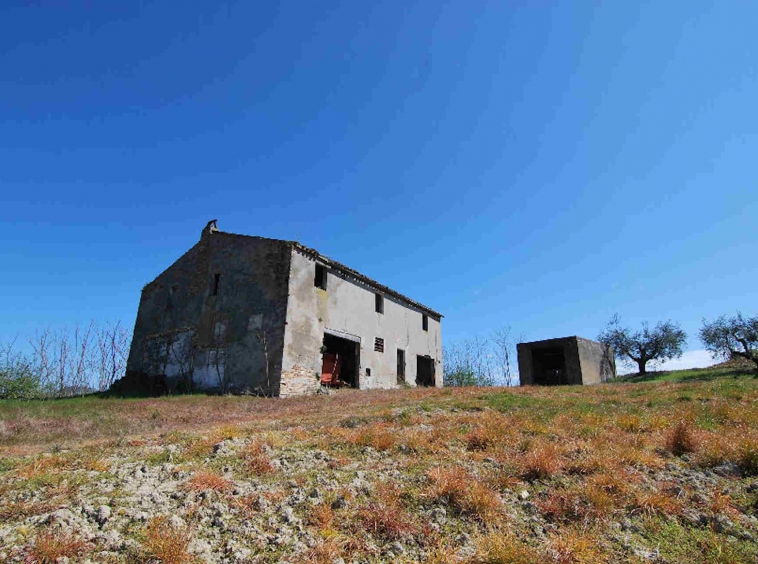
659	470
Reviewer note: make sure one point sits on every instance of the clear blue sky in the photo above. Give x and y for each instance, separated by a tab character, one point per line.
502	162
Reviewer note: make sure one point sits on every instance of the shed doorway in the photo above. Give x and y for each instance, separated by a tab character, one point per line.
424	371
549	367
340	361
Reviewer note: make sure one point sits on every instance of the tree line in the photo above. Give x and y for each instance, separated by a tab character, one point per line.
482	361
726	337
86	359
67	362
492	360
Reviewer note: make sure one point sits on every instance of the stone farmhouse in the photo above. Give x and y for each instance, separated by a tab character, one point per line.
249	314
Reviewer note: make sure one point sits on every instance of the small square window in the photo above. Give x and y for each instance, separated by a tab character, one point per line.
425	323
379	344
379	303
319	280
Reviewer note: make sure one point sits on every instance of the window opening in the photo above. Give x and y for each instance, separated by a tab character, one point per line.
170	300
379	344
424	322
400	366
216	279
379	303
319	280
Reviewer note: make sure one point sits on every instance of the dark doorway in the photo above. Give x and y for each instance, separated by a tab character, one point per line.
424	371
341	357
549	367
400	366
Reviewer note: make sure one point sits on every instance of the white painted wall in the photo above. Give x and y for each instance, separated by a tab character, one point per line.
348	306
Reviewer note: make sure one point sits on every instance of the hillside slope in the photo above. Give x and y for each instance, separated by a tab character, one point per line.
657	472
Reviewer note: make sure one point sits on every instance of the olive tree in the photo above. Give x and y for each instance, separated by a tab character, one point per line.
663	342
729	337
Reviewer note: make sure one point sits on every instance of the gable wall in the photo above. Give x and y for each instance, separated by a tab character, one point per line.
231	341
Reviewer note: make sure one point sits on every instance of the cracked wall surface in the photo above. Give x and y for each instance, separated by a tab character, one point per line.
194	335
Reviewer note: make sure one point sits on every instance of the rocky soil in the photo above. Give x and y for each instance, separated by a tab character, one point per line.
418	484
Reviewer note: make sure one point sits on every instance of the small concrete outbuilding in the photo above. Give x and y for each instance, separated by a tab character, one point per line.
567	360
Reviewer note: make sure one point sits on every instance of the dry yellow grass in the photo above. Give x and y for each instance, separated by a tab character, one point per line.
431	468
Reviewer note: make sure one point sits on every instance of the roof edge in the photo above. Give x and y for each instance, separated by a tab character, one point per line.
340	267
363	278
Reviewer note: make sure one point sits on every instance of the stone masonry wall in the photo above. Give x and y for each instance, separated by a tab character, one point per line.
214	320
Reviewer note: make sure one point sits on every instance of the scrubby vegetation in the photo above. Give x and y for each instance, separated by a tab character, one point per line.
662	471
63	363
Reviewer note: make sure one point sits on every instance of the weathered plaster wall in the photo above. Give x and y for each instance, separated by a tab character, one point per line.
230	341
348	306
597	360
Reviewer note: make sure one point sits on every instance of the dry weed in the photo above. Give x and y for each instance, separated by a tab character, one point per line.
465	492
166	543
20	509
563	506
256	458
385	515
575	547
326	551
322	516
747	455
681	439
657	503
500	547
49	546
203	481
541	461
630	423
43	465
378	436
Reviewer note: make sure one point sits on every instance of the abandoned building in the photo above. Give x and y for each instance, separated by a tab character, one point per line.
238	313
568	360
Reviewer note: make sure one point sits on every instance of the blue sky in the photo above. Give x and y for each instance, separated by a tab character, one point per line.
506	163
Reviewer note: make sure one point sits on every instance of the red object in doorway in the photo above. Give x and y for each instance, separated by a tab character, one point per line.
330	370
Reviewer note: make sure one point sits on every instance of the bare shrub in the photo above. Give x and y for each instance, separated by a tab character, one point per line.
79	360
109	356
